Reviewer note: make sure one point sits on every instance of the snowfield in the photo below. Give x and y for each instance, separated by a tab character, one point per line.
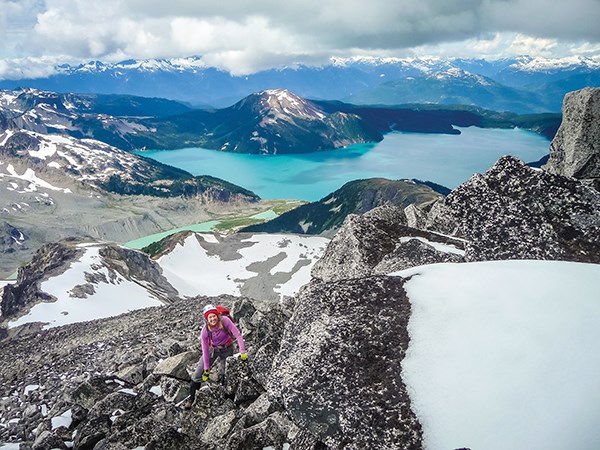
504	354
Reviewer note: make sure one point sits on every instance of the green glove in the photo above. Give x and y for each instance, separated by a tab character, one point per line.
243	356
205	375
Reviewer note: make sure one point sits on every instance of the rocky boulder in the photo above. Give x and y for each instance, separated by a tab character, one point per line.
338	373
364	242
575	150
515	212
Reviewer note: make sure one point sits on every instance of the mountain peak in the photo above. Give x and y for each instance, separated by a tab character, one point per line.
281	104
284	101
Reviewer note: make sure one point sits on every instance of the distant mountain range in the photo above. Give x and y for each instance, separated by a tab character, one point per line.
521	85
269	122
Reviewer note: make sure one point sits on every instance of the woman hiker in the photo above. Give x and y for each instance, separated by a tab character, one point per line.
217	337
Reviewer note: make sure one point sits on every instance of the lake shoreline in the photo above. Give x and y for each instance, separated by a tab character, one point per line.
448	160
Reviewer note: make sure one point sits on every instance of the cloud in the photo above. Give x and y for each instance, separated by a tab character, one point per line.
29	67
242	36
17	17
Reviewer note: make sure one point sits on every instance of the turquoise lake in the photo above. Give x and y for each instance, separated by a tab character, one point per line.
448	160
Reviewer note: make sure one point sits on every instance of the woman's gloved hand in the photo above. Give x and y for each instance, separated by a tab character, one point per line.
243	356
205	375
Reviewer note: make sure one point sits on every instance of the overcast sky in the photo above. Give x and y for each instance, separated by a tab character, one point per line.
245	36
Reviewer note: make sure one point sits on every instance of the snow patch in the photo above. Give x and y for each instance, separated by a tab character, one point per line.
505	345
34	181
445	248
107	300
7	134
192	271
64	420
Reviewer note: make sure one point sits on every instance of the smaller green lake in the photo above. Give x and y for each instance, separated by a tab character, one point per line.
140	243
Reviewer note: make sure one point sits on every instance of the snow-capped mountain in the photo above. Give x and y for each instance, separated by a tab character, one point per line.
189	80
97	166
109	117
277	121
453	86
272	121
56	186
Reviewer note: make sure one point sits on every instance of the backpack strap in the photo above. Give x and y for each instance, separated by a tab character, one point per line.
224	328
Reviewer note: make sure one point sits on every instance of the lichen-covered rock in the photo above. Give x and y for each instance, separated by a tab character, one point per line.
272	432
515	212
88	393
218	428
575	150
414	252
132	374
211	401
338	372
48	441
374	242
360	244
416	215
174	390
177	366
239	381
259	410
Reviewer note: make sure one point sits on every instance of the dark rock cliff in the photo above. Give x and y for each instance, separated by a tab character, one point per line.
515	212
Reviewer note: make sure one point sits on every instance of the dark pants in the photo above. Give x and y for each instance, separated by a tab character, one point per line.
215	353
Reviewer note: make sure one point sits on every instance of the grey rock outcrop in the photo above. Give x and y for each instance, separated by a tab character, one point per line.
575	150
515	212
414	252
364	242
50	260
177	366
339	370
360	244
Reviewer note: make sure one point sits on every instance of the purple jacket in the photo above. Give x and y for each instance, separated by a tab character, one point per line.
220	337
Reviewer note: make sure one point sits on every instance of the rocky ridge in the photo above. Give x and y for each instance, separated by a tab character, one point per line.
354	197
